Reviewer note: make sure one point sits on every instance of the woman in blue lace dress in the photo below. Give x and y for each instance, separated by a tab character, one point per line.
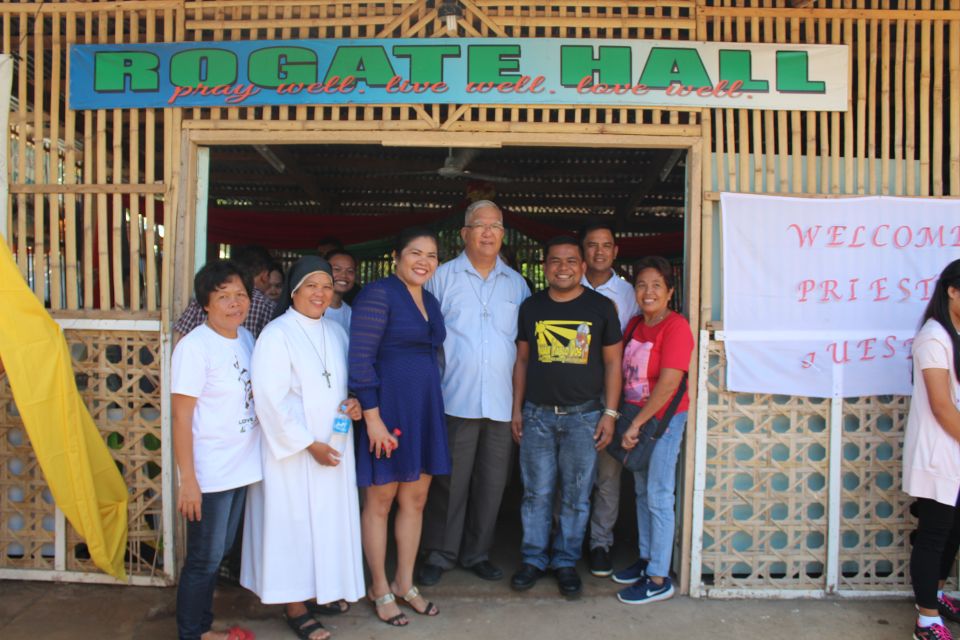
396	332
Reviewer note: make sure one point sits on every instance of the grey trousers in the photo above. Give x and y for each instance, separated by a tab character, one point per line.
461	512
606	501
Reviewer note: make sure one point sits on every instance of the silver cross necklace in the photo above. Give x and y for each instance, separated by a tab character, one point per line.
485	314
323	358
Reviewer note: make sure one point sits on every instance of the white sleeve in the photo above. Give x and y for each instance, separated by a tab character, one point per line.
189	371
280	412
931	354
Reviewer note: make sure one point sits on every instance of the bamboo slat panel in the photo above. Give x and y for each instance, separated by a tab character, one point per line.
903	62
764	523
84	235
118	375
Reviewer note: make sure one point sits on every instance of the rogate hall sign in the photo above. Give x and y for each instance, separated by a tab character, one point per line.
460	71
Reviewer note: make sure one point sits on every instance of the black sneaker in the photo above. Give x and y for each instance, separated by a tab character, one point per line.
600	564
933	632
949	607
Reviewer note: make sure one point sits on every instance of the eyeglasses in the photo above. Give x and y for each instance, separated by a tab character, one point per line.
496	227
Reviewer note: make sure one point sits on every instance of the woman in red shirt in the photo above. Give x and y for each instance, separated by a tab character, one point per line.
658	344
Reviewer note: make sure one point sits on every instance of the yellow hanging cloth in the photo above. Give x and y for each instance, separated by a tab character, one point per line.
81	473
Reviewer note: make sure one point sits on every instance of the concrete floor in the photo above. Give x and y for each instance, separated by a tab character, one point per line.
470	608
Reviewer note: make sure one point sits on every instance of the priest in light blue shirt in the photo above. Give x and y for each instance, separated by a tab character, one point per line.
480	297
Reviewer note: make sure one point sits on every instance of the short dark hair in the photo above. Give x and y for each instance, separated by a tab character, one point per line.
214	275
340	252
597	225
659	264
410	234
557	241
276	266
332	240
252	258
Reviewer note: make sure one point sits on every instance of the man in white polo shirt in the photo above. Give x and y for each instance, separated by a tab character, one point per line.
599	251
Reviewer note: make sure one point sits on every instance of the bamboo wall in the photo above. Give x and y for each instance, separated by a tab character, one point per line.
97	198
766	508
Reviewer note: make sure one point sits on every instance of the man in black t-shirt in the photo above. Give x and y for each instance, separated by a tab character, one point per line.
568	355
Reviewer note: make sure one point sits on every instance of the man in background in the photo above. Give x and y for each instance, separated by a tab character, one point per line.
256	262
599	251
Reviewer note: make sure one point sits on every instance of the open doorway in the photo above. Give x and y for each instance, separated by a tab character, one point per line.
291	198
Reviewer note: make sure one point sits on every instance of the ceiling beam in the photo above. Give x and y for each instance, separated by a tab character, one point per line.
661	162
291	167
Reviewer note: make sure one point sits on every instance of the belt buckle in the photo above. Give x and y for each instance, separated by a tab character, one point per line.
559	411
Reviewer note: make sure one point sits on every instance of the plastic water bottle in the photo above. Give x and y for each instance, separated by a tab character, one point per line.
341	430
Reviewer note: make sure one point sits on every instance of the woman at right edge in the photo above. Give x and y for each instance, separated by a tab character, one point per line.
931	457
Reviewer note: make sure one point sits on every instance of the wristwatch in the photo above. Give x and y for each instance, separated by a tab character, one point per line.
613	413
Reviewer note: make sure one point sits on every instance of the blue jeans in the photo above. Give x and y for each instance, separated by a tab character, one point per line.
555	445
654	488
208	539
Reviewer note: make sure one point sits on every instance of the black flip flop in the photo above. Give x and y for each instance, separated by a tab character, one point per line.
303	625
328	609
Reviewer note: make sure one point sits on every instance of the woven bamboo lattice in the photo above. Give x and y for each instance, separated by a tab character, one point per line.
765	504
765	521
118	375
875	522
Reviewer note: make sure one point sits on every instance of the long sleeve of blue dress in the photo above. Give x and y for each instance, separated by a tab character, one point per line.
368	324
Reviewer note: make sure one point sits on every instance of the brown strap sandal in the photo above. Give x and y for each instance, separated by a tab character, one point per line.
414	593
399	620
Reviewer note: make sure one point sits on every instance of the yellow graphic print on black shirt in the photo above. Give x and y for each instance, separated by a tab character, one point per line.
563	341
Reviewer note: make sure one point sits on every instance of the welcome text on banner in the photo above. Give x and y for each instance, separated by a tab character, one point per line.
822	297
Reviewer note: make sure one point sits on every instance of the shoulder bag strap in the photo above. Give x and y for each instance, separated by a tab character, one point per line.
672	409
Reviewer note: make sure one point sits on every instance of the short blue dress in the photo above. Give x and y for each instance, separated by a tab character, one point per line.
394	366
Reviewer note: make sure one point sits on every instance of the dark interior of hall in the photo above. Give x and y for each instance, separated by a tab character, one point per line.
288	196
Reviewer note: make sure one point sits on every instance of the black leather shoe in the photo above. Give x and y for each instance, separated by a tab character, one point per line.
429	574
486	570
569	581
525	577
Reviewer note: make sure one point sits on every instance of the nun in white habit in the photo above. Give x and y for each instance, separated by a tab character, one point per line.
301	541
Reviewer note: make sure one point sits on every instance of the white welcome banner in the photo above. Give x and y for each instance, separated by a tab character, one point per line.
822	297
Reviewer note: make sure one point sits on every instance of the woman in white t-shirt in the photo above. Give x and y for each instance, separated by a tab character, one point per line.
216	440
931	457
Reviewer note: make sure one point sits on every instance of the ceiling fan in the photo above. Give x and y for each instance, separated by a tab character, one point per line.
455	166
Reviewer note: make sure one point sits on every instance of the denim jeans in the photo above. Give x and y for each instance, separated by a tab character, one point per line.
555	445
208	539
655	501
